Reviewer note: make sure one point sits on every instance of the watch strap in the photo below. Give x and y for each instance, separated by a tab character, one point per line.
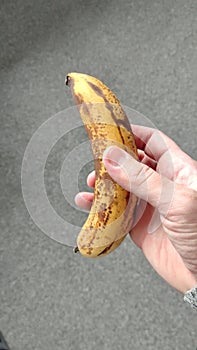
191	297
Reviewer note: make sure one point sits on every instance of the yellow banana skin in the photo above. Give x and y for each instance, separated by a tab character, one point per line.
112	212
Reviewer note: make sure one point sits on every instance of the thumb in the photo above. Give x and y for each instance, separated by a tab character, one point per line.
138	178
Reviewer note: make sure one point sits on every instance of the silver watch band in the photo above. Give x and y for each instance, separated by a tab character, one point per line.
191	297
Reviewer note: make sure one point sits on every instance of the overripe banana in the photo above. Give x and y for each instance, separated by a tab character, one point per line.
112	212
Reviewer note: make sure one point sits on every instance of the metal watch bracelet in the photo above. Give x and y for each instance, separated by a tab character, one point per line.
191	297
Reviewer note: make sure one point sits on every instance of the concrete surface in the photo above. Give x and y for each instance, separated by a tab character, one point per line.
146	52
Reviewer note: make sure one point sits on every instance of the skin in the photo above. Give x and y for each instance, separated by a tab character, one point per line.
165	181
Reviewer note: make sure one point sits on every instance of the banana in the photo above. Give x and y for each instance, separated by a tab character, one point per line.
112	212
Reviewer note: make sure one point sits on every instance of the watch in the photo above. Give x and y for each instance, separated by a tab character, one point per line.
191	297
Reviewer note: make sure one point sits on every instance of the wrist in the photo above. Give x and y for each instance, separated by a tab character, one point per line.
189	283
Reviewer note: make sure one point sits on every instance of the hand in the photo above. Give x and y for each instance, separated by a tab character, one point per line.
165	181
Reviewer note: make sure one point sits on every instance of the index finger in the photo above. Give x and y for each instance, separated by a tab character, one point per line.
153	141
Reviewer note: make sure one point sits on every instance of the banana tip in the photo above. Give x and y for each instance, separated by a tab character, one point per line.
67	80
75	249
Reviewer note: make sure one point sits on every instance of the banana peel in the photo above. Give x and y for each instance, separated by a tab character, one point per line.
112	212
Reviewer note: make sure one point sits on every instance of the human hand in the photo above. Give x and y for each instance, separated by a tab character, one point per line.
165	181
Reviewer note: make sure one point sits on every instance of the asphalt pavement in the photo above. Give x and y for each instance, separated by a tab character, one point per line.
145	51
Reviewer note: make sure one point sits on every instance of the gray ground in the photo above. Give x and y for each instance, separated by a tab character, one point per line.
146	52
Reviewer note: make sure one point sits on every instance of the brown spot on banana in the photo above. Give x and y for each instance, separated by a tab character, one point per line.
112	212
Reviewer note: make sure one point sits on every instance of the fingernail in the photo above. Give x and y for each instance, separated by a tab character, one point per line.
115	156
77	197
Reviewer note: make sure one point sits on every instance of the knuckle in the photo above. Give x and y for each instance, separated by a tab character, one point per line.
144	174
